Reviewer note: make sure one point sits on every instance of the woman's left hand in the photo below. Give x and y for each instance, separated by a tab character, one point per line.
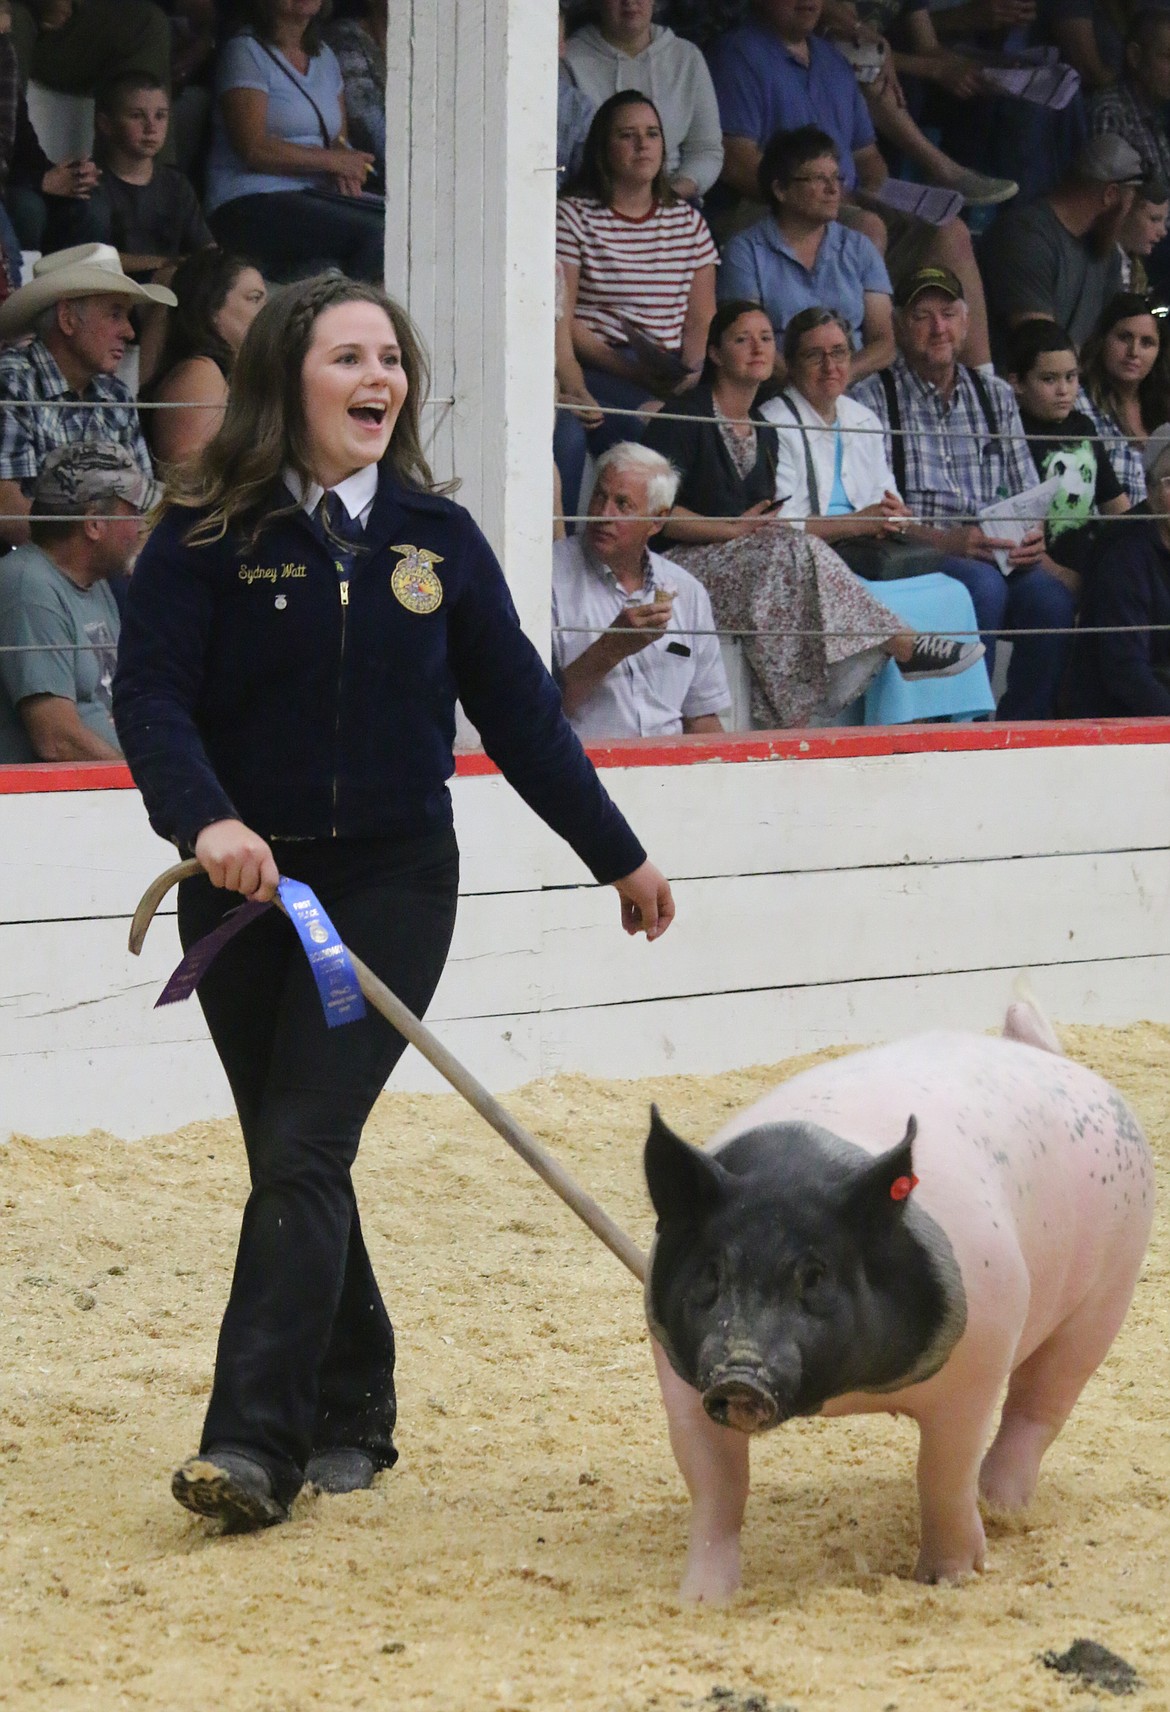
889	515
647	901
349	184
590	414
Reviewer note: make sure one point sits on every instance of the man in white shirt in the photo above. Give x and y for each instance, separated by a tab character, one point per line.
633	644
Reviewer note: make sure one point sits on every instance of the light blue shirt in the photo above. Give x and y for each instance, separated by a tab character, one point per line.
759	264
245	63
839	504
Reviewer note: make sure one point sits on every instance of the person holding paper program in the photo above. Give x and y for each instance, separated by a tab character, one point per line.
297	630
956	445
1044	376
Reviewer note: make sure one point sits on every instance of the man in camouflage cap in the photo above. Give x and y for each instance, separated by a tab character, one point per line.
57	609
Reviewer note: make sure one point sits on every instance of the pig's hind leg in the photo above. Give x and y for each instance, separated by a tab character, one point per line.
1041	1394
713	1460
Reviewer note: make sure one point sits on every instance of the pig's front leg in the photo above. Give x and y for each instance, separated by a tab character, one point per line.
713	1460
953	1544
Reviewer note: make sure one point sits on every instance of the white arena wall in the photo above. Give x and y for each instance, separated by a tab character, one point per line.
831	887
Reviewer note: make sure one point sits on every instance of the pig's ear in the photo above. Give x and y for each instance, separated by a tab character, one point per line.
685	1183
886	1182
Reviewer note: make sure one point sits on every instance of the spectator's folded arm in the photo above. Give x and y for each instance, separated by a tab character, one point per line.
57	732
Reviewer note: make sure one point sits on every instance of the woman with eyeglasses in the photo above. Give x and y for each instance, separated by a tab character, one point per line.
833	462
800	256
1125	384
814	633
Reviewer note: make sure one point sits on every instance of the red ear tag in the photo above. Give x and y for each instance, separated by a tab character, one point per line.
901	1187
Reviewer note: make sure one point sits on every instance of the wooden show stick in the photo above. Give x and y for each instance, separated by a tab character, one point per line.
391	1007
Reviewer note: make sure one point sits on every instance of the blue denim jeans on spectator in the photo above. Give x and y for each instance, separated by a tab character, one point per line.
1026	600
614	392
290	234
49	223
569	449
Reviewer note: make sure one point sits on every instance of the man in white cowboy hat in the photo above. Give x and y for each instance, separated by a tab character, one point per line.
62	386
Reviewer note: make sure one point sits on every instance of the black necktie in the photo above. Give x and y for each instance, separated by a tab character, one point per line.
343	532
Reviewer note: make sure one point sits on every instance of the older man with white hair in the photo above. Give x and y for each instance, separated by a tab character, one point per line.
633	643
62	387
956	444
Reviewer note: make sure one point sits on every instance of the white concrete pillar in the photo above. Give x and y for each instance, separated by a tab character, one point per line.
470	200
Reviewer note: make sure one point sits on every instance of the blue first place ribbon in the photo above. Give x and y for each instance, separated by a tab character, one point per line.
330	962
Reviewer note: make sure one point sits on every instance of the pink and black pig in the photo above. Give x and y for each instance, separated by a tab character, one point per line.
901	1230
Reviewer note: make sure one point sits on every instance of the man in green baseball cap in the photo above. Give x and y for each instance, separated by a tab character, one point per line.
59	620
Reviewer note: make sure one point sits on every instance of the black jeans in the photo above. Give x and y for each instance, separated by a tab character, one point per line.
291	233
306	1350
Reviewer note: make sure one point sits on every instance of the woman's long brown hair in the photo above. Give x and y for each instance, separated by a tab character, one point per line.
236	478
1154	391
595	177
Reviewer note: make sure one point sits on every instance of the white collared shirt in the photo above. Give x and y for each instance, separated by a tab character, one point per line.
865	469
651	692
357	492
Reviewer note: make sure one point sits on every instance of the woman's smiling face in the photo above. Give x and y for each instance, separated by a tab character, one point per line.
353	386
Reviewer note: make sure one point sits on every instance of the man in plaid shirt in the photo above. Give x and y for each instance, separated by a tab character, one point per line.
957	444
1134	107
62	388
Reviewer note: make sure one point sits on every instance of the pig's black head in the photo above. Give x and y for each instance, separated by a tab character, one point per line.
791	1267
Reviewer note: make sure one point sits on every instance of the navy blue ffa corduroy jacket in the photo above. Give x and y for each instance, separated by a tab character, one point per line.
258	684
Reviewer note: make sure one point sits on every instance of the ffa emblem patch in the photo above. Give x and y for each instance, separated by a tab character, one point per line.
413	579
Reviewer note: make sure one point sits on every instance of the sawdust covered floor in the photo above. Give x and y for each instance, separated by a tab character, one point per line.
526	1551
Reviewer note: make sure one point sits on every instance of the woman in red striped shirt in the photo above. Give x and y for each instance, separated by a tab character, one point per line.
639	269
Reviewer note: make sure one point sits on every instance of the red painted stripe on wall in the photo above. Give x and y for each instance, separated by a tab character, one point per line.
820	745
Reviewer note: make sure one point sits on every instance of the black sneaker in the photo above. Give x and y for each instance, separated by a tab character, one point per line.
230	1488
939	657
340	1469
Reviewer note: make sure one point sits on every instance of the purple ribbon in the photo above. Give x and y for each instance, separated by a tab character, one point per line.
329	961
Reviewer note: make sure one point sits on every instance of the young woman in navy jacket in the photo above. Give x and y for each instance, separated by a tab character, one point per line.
298	629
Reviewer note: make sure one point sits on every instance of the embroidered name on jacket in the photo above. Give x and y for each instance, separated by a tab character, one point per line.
271	573
414	581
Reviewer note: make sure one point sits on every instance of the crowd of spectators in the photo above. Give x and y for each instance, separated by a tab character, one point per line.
938	241
837	282
162	163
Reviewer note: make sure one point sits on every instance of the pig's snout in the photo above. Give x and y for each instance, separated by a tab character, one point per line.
736	1398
